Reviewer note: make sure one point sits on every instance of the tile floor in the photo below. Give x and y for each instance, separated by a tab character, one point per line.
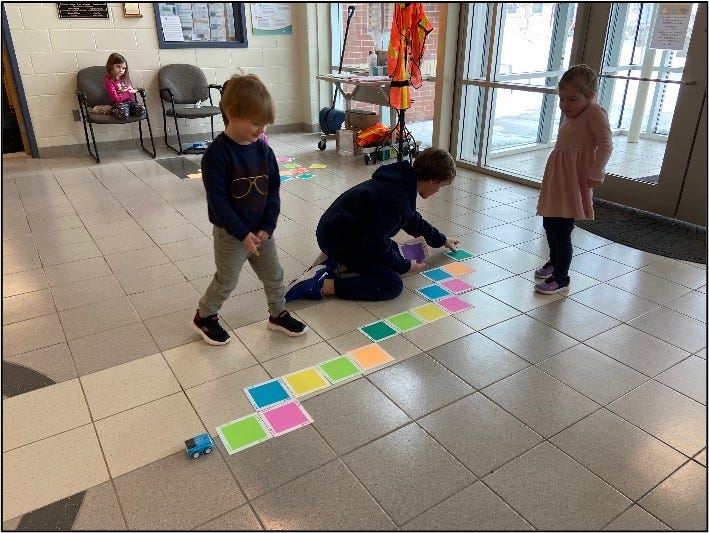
639	161
524	412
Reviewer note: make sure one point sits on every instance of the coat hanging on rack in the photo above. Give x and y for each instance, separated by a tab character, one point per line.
409	28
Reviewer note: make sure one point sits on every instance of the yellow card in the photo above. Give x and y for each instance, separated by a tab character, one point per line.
429	312
370	356
195	176
306	381
318	165
457	268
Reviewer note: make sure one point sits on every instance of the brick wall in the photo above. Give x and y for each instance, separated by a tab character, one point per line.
360	43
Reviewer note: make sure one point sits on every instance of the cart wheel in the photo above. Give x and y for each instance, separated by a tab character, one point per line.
366	159
322	145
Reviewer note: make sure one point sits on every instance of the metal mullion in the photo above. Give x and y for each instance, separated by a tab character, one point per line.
515	86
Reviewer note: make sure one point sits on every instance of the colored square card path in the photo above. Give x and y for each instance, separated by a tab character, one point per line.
436	274
453	304
339	369
267	394
459	255
378	331
305	381
243	433
370	356
433	292
286	417
405	321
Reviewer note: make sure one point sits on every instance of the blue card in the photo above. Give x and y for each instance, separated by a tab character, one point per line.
433	292
436	274
267	393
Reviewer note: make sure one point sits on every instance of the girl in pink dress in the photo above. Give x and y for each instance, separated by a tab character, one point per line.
119	89
574	168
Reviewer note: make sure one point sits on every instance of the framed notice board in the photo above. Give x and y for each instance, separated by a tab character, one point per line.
82	10
201	25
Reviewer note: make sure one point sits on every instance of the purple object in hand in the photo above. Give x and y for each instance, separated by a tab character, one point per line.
413	251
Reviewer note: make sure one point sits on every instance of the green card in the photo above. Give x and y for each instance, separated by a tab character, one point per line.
242	433
404	321
459	255
378	331
339	369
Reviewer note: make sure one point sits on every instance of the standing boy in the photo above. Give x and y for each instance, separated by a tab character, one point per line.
355	232
242	180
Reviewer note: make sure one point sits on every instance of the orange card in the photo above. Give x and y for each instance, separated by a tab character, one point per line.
457	268
370	356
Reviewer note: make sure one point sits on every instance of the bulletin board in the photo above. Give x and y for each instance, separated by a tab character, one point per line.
201	25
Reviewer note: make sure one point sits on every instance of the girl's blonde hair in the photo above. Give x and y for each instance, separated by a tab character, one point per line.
582	78
117	59
245	96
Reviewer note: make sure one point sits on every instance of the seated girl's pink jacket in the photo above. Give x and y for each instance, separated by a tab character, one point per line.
112	89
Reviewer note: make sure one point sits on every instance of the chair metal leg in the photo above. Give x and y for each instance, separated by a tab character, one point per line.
150	130
93	154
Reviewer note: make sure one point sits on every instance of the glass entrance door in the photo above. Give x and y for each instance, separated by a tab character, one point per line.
652	87
652	84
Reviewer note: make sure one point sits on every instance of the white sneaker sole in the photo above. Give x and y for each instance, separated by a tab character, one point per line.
557	291
276	327
207	339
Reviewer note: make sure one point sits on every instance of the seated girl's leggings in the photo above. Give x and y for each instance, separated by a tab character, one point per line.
371	282
123	110
558	231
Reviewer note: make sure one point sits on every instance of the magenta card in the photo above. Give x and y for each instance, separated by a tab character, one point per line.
286	417
453	304
456	285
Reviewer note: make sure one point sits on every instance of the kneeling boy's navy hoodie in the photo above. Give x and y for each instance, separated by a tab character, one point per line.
362	221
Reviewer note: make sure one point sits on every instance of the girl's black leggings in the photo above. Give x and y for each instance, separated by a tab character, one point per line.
558	231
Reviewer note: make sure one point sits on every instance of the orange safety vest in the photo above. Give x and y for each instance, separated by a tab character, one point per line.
409	29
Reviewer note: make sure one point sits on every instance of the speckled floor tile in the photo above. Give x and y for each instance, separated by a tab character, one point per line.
353	414
407	471
552	491
624	456
329	497
480	434
420	385
540	401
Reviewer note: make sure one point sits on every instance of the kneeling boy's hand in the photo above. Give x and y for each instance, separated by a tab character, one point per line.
252	242
417	266
452	244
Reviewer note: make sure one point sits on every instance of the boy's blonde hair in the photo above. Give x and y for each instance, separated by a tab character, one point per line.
245	96
582	78
434	164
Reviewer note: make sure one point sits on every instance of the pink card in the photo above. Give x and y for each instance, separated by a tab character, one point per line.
453	304
456	285
286	417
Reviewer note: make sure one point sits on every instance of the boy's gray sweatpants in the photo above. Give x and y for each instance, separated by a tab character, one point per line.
229	257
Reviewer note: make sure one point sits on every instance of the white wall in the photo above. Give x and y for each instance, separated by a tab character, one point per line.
50	51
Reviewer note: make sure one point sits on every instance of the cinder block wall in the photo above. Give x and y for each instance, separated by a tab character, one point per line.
50	51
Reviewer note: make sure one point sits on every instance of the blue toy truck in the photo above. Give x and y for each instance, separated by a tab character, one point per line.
199	445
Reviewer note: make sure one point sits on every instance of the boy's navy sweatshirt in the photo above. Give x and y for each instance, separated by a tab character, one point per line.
225	161
363	219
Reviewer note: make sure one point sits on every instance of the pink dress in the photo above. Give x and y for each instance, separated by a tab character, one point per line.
576	165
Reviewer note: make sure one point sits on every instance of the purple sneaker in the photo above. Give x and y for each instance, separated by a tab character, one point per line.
550	286
544	272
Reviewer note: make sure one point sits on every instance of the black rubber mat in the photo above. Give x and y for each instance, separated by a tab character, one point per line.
179	166
648	232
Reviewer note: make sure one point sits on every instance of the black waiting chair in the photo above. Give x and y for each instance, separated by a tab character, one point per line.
90	92
183	89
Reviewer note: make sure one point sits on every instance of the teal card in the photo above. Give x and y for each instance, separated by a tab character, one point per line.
459	255
378	331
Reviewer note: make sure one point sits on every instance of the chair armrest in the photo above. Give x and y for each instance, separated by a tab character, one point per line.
215	86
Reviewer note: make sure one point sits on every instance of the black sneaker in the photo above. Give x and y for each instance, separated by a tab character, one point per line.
210	329
287	324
